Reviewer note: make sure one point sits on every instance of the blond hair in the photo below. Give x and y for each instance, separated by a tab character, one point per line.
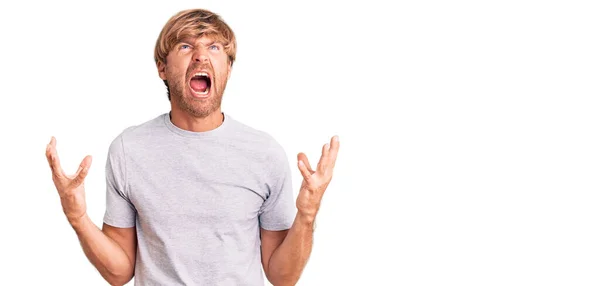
194	23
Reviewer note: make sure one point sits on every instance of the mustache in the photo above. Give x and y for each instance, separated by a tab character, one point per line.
199	66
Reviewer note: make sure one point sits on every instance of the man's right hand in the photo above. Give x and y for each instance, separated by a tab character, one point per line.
111	250
70	187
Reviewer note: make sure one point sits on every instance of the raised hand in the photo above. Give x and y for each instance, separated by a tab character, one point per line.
315	182
70	187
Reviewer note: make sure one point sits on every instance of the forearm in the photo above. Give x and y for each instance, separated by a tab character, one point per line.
289	259
103	252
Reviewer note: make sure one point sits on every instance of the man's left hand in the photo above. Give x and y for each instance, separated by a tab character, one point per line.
315	182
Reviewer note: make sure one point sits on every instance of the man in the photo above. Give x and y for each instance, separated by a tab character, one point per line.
195	197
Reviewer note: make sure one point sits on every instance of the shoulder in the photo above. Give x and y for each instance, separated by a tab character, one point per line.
137	134
256	140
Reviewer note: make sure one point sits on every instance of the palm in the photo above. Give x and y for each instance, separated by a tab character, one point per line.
70	187
315	182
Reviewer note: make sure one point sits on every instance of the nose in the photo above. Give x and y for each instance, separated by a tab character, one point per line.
200	55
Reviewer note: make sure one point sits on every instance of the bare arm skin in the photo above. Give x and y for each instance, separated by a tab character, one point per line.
285	253
111	250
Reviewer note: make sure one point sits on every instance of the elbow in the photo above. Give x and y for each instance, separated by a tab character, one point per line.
282	282
282	279
115	280
119	276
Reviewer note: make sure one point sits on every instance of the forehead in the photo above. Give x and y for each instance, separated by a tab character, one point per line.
203	39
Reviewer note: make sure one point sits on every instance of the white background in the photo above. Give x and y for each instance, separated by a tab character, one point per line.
470	146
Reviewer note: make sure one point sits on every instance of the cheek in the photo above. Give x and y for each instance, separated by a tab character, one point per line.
220	65
177	74
177	66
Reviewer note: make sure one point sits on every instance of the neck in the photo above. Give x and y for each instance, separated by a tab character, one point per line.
189	122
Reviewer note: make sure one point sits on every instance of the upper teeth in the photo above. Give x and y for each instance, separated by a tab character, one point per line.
201	74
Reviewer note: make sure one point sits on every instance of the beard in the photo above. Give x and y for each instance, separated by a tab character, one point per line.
199	108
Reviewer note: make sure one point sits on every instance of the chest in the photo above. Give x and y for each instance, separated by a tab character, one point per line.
202	189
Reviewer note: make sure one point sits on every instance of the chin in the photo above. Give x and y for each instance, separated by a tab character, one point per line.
199	108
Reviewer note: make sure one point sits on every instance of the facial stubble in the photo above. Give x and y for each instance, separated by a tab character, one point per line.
199	108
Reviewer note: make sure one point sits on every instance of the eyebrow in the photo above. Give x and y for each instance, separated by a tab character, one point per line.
215	42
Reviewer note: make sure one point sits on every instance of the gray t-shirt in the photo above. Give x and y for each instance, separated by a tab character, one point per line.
198	200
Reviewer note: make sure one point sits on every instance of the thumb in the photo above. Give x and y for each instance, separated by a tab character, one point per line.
83	170
304	170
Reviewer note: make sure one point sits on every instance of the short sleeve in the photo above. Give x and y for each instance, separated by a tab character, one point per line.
279	209
120	212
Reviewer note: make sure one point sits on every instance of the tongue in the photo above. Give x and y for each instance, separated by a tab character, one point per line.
199	84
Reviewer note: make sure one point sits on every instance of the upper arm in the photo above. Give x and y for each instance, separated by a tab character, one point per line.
126	238
279	208
120	210
269	241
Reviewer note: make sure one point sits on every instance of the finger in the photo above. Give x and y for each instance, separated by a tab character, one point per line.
304	171
48	152
82	171
302	157
333	151
324	161
53	160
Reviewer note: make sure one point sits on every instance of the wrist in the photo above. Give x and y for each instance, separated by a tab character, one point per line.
307	220
78	221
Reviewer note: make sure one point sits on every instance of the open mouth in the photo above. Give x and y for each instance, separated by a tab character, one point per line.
200	83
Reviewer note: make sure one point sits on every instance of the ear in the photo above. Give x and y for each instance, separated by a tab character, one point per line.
161	70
